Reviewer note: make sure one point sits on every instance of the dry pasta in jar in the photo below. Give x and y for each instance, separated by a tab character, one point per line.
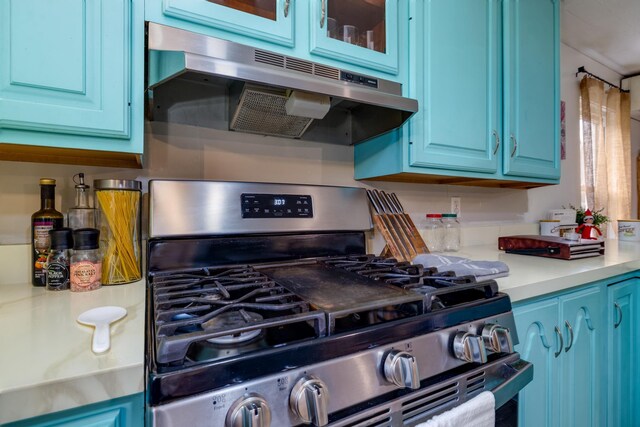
118	204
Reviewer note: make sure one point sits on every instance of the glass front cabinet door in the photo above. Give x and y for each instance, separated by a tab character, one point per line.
360	32
269	20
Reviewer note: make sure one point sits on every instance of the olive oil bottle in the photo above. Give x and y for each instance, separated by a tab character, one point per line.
42	221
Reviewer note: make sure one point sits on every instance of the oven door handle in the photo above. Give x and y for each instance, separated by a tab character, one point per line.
516	375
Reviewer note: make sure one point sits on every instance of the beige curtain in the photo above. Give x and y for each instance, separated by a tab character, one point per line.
606	150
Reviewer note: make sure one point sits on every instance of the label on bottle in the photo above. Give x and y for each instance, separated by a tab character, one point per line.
41	229
85	275
57	276
41	242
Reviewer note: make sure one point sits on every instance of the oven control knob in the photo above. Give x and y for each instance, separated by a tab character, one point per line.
497	338
401	369
309	400
250	410
469	347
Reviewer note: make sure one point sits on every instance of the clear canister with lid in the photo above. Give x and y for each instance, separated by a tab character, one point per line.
451	232
433	232
118	218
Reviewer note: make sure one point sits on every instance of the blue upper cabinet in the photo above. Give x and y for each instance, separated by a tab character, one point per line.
73	54
455	74
67	74
532	88
360	32
270	20
486	76
356	35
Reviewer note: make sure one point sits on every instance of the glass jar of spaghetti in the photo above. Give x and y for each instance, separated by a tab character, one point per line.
118	207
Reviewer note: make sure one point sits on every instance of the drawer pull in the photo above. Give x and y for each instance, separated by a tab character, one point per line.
557	353
619	310
566	322
497	138
286	7
515	145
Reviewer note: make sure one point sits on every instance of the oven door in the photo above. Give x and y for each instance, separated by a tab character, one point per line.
504	377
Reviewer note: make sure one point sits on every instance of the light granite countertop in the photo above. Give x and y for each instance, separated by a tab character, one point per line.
46	363
533	276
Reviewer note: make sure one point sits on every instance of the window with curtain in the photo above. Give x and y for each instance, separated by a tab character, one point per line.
605	128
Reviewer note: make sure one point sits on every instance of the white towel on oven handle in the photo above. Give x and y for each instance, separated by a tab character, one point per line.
477	412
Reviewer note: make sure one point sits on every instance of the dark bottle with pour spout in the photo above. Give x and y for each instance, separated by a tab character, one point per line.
47	218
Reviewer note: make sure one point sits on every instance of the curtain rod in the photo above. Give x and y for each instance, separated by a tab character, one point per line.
583	70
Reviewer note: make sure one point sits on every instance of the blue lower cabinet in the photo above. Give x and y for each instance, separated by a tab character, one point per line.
539	344
623	369
582	386
563	337
125	411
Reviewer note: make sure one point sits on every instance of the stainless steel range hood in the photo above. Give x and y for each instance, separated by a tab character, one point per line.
205	81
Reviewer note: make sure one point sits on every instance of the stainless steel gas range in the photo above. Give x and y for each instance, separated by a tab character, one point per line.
264	309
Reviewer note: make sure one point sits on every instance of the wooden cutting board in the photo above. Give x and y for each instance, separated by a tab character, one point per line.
550	246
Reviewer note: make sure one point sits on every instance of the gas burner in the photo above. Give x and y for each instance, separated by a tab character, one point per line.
212	297
234	320
227	307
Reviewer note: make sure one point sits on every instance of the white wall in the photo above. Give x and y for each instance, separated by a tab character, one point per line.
568	191
176	151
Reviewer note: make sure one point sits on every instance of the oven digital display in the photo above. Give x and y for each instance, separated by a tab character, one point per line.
276	206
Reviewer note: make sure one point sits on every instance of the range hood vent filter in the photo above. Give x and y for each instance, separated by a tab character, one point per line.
263	111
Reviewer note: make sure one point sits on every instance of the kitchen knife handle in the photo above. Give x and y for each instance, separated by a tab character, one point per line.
373	202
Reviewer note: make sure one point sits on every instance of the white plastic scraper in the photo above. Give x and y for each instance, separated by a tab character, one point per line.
101	318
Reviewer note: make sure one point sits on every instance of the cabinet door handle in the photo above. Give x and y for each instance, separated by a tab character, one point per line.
619	310
497	138
286	7
566	322
515	145
323	12
561	342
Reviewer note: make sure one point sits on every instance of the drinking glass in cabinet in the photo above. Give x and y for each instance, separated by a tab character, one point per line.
349	34
263	8
360	22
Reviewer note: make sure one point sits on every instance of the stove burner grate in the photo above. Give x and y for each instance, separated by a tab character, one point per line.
225	306
440	289
403	274
203	312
